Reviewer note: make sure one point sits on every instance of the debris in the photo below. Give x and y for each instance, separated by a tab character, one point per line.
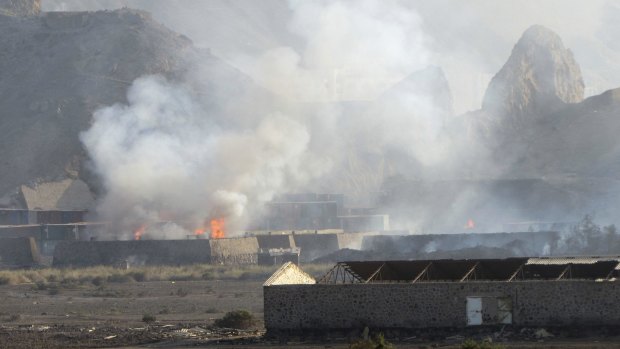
110	337
542	333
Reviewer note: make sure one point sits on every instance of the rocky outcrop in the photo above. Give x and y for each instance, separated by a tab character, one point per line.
20	7
540	76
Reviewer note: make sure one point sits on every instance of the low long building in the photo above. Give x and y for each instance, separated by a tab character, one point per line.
446	293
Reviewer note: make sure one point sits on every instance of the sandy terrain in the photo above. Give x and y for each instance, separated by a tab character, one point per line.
110	316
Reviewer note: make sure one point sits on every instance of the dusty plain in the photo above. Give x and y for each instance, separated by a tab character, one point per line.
108	313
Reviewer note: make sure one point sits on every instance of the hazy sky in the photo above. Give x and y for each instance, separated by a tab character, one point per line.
469	40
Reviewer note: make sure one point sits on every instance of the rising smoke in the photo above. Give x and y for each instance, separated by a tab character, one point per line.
166	154
162	157
333	124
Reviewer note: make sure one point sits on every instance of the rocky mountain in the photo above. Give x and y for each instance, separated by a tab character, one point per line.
56	69
540	76
535	151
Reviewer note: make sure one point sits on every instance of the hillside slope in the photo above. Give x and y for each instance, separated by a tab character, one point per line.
58	68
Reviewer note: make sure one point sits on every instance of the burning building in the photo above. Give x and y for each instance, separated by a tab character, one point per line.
320	212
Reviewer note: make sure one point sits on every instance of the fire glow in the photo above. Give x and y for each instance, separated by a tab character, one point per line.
470	224
217	228
137	234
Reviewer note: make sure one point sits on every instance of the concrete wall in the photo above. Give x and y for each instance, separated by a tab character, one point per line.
143	252
275	241
156	252
19	252
21	231
534	303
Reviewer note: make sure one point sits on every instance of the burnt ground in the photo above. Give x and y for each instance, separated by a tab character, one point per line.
110	316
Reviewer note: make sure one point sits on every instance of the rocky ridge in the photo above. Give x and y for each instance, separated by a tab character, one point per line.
540	76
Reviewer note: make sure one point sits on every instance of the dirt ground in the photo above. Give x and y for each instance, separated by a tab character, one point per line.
110	316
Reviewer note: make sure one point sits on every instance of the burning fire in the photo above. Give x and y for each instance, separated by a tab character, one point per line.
137	234
217	228
470	224
199	231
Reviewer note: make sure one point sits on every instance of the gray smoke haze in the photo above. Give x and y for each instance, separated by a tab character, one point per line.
167	152
162	156
469	40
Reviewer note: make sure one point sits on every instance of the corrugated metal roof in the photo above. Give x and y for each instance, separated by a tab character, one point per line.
569	260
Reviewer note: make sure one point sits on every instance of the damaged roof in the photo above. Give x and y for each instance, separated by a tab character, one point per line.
471	270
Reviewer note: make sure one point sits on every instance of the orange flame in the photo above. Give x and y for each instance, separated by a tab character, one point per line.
470	224
199	231
217	228
137	234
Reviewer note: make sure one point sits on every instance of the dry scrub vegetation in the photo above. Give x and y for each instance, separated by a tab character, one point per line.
101	275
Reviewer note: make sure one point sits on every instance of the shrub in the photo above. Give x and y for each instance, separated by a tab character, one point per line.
181	292
120	278
148	318
212	310
240	319
5	280
138	276
41	286
208	276
98	281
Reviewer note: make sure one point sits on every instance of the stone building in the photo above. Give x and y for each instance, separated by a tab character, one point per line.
446	293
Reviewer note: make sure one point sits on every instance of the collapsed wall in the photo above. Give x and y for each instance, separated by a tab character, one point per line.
18	252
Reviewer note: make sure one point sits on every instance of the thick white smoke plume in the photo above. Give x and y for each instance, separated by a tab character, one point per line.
165	156
345	111
348	51
162	157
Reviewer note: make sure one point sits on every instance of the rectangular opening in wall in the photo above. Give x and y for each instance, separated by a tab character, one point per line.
504	310
489	310
474	311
